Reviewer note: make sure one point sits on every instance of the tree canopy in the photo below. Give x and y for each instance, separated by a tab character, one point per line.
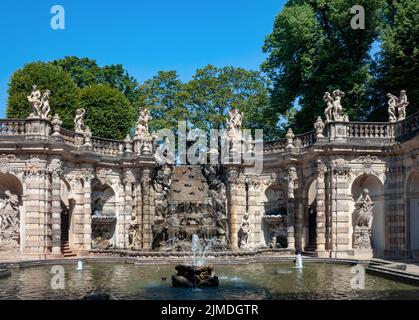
64	92
313	49
108	111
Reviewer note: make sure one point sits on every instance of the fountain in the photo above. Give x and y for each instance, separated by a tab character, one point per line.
198	274
79	266
299	261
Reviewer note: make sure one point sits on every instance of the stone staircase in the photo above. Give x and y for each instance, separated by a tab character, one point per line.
65	246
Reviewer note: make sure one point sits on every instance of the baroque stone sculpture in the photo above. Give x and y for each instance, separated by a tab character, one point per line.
234	123
40	103
319	127
334	109
244	233
79	121
144	140
9	220
397	106
364	206
364	217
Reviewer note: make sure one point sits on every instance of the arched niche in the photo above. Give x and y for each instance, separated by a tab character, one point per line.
274	219
68	203
412	209
103	199
11	212
376	192
310	214
104	215
275	200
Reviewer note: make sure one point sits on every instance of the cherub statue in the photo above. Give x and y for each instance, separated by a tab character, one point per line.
79	120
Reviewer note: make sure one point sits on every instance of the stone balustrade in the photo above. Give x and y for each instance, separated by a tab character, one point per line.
372	132
407	128
107	147
12	127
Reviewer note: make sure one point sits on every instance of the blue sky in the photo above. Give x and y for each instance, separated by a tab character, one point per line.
144	36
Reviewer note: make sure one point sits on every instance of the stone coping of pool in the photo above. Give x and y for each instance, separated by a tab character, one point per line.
375	266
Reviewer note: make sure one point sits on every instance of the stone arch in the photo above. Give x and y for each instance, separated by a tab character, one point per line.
12	212
376	191
412	210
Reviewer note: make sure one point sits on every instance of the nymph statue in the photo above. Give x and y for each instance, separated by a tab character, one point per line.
35	99
142	123
392	103
364	206
244	232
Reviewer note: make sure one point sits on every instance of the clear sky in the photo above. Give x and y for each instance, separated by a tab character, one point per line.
145	36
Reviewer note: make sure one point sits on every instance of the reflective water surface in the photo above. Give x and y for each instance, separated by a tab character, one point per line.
253	281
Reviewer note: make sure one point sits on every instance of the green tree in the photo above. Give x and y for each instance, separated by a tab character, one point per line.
64	91
86	72
213	92
164	96
313	49
397	66
109	114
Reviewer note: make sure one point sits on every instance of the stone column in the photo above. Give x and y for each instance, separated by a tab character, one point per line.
77	237
321	210
55	170
87	210
33	217
340	208
292	180
146	209
236	193
129	181
255	213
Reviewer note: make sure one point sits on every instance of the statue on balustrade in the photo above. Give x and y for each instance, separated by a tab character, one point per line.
234	123
40	103
79	120
334	109
9	219
397	106
142	123
392	105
